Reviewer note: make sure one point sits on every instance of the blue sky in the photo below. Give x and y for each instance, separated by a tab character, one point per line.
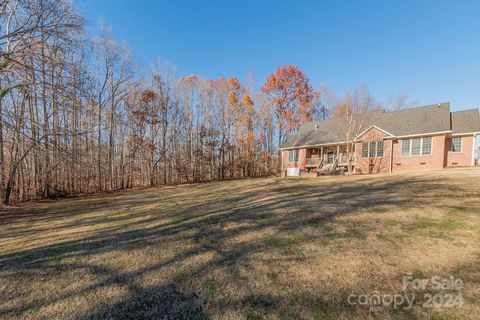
428	49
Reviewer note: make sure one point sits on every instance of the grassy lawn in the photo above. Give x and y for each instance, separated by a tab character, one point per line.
254	249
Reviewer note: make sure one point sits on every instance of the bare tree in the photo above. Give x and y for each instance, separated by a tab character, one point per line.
77	116
353	116
400	101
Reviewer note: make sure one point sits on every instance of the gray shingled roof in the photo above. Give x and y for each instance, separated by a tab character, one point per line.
466	121
421	120
433	118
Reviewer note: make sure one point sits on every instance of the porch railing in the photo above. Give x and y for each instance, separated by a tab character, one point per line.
315	161
312	162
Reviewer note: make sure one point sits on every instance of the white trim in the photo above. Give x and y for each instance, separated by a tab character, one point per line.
474	143
314	145
465	134
294	155
391	156
409	147
281	159
386	138
431	147
421	147
452	144
419	135
369	142
373	126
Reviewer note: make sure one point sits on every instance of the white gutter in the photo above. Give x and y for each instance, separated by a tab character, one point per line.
419	135
465	134
386	138
313	146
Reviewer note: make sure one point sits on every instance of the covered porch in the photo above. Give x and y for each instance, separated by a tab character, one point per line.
329	157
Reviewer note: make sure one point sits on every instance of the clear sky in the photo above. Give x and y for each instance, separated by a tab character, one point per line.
428	49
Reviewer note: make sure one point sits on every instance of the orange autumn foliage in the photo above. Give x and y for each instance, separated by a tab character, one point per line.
291	95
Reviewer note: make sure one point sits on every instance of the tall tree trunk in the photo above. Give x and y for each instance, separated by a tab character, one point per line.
2	155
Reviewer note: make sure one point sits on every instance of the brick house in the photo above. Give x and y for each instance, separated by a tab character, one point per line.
423	138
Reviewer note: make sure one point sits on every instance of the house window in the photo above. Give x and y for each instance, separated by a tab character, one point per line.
406	148
426	146
330	157
456	145
372	149
380	148
292	155
417	147
365	149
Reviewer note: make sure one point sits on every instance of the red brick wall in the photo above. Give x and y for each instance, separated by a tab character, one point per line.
440	158
299	164
459	159
373	165
412	163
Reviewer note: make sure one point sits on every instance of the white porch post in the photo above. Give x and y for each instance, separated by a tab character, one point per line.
281	160
321	153
338	151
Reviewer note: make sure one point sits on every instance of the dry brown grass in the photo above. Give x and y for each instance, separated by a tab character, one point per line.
252	249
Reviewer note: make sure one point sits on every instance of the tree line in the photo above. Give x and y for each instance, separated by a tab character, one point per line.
80	115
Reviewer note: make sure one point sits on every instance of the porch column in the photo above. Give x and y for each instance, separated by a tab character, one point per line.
281	160
321	153
338	151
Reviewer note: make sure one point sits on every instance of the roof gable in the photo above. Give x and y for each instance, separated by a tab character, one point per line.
373	127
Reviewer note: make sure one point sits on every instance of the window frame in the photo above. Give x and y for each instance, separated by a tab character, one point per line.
367	147
453	144
292	155
421	147
328	157
372	149
409	149
380	142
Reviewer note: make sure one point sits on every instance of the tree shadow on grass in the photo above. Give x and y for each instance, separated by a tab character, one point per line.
165	302
285	207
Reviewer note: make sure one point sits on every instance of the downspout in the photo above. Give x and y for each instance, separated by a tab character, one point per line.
391	156
474	144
